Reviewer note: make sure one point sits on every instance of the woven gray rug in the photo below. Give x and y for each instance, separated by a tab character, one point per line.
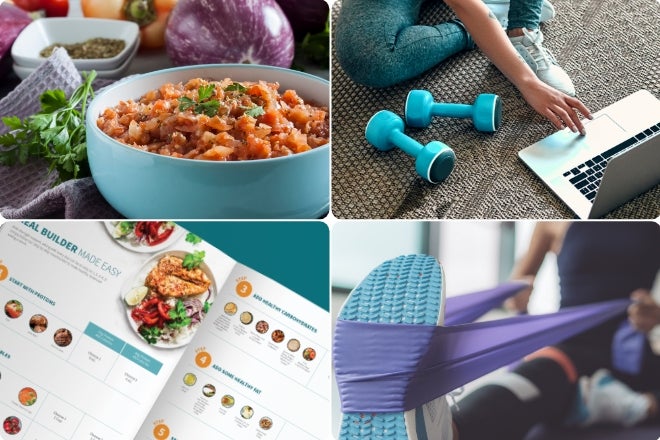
609	48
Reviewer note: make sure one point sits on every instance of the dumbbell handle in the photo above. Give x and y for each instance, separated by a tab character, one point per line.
453	110
405	142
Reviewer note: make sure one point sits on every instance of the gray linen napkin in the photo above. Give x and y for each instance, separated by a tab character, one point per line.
26	191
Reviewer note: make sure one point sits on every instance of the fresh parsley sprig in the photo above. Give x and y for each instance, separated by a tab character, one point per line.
255	111
204	105
56	133
193	238
179	316
193	260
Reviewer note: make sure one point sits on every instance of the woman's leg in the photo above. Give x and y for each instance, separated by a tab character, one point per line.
539	390
525	14
379	44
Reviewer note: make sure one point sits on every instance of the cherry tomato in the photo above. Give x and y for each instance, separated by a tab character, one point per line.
56	8
29	5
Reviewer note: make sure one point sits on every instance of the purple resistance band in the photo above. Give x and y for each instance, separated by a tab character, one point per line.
466	308
398	367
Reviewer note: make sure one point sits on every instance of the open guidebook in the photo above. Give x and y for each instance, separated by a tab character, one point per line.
143	330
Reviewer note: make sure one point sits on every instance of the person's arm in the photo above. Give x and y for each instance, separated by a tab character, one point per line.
542	241
644	312
488	34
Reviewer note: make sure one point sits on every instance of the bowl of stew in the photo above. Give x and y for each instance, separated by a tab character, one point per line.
213	141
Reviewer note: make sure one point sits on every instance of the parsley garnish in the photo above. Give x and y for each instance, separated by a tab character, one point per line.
192	261
255	111
150	334
205	105
56	133
236	87
179	316
192	238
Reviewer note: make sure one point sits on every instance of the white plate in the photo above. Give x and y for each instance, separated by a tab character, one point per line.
143	248
138	280
43	32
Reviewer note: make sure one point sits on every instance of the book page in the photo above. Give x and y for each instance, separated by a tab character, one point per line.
259	368
73	364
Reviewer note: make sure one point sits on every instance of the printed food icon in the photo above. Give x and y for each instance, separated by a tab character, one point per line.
246	318
189	379
208	390
27	396
62	337
309	354
265	423
247	412
231	308
293	345
38	323
13	308
277	336
12	425
261	327
227	401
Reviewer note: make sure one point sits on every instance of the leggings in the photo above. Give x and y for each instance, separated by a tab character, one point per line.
378	43
540	391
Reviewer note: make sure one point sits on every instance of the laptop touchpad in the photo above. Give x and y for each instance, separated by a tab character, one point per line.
602	130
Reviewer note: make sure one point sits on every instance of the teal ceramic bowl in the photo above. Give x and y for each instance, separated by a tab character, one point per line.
140	184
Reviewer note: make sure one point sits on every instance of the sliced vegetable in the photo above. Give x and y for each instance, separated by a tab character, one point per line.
229	31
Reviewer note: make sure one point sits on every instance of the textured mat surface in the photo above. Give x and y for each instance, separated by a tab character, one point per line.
610	50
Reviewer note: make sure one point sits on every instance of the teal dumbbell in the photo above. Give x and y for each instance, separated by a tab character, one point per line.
433	161
486	112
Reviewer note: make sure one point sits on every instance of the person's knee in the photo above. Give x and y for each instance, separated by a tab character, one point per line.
365	60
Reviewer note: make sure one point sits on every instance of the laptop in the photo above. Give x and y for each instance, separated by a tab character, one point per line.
618	159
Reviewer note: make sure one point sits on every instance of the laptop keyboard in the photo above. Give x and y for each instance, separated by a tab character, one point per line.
587	176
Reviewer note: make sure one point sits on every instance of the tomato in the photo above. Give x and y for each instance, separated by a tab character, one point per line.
56	8
29	5
150	15
102	8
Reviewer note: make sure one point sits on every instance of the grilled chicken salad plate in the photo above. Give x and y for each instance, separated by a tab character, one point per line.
169	297
144	236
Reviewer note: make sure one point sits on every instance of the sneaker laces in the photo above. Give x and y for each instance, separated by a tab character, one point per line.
453	395
540	55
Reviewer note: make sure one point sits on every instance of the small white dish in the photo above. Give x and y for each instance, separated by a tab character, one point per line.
43	32
22	71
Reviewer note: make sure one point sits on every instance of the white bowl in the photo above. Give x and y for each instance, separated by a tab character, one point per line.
43	32
22	71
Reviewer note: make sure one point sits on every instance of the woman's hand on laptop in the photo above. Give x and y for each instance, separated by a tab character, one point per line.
560	109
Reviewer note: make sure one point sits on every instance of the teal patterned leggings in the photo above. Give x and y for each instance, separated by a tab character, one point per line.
379	43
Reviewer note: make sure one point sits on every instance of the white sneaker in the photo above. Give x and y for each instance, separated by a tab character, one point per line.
430	421
542	61
500	8
605	400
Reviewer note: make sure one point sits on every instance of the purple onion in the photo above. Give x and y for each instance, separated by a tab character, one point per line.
229	31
